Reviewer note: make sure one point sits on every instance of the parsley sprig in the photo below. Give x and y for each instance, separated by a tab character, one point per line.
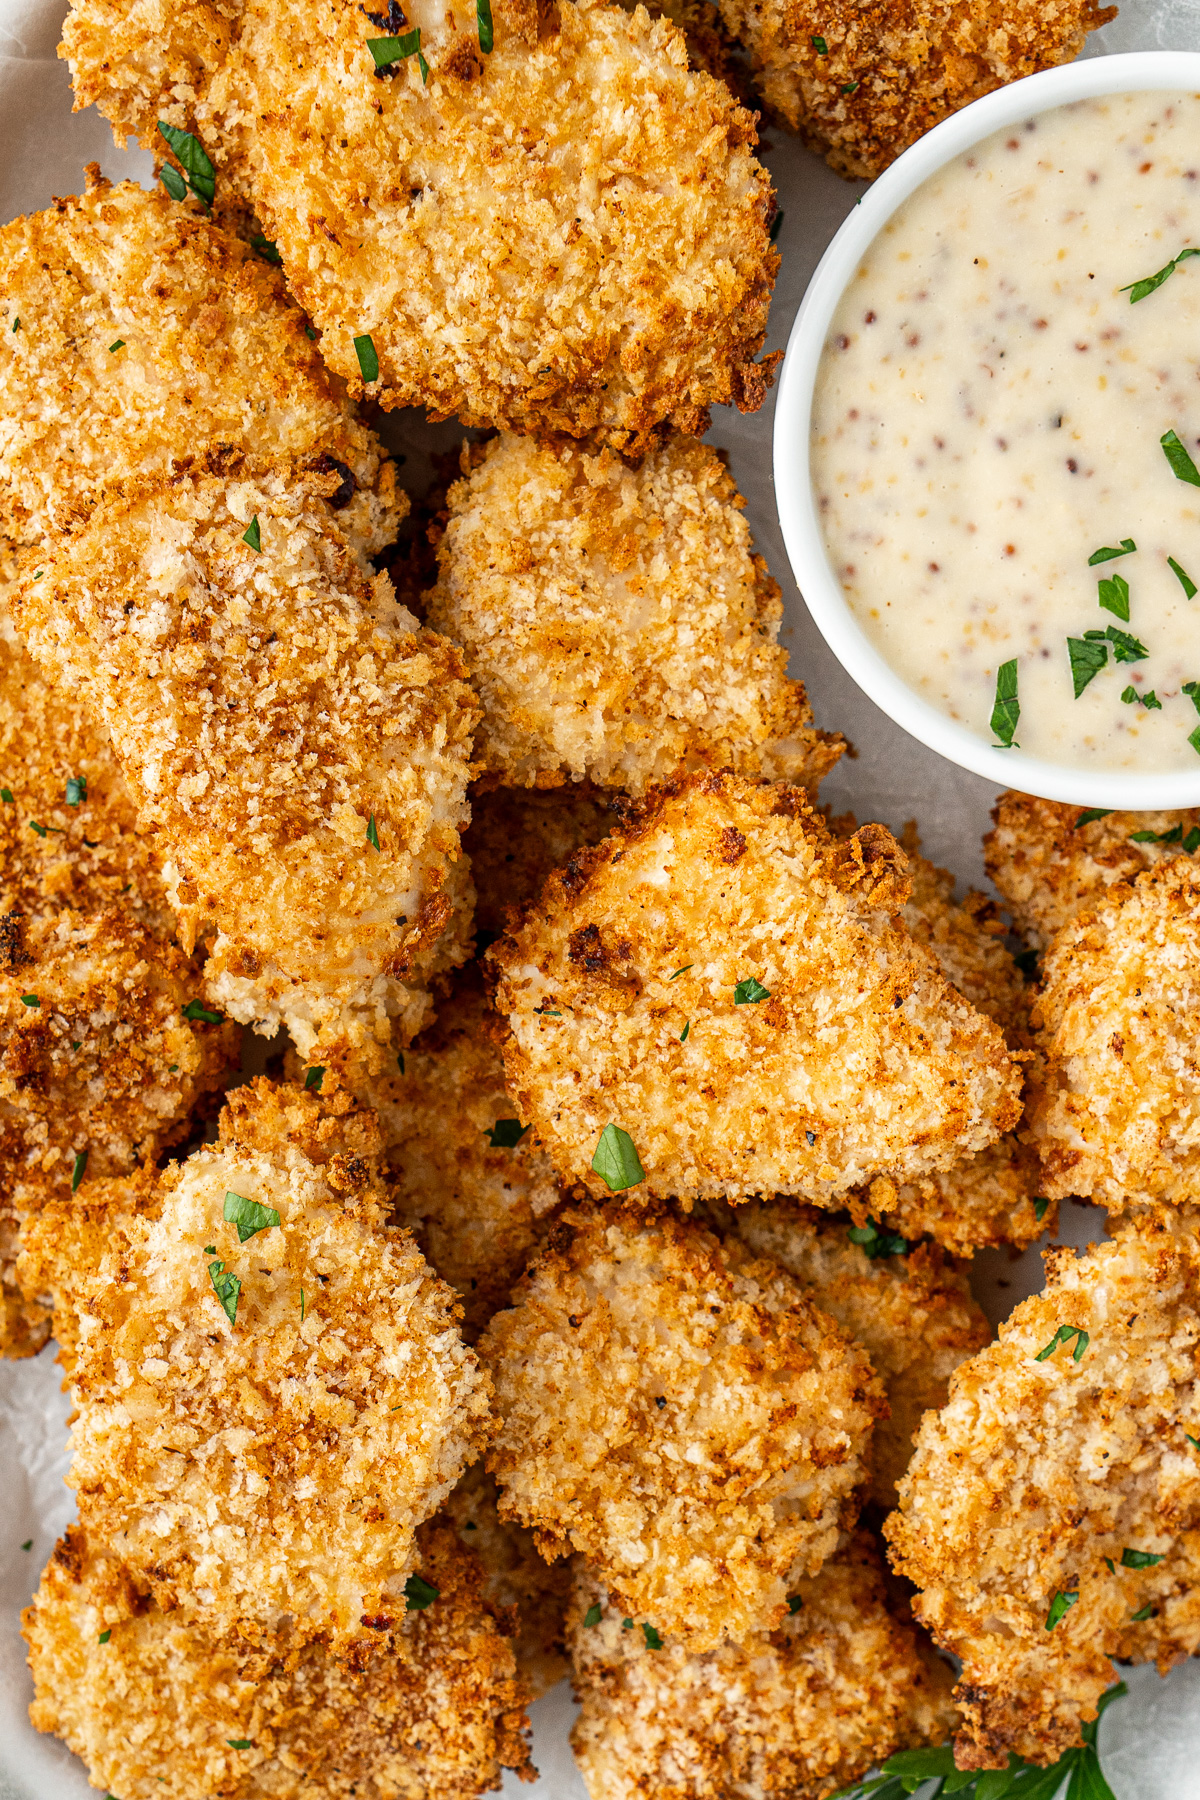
616	1161
876	1240
1063	1335
198	172
1007	708
386	52
1108	552
1176	453
1139	290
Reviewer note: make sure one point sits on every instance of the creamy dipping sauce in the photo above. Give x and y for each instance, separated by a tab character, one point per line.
989	413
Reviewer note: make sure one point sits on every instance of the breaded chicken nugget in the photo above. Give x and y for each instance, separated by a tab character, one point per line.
991	1198
148	335
262	1427
837	1688
63	1244
517	836
1115	1108
730	986
160	1702
862	82
516	1579
679	1413
912	1314
1052	862
300	744
617	624
1051	1512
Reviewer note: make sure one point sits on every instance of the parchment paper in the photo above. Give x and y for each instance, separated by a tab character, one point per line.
1151	1741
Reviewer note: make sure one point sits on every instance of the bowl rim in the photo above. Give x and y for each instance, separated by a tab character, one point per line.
1123	72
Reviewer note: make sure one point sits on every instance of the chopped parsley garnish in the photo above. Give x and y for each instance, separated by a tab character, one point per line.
1138	290
419	1593
820	46
386	51
616	1161
253	536
30	1000
372	832
196	1009
266	249
679	972
249	1216
1149	699
6	794
1184	579
105	1635
1176	454
1063	1335
1114	597
1143	1612
686	1032
483	19
16	324
1125	647
750	992
198	172
1192	1440
1087	660
76	790
313	1079
368	360
1140	1559
227	1287
119	345
1039	1209
79	1170
1173	836
653	1641
776	226
28	1544
876	1240
239	1743
1060	1606
302	1316
794	1603
850	88
1109	552
626	1624
505	1134
1007	708
44	830
592	1615
400	1061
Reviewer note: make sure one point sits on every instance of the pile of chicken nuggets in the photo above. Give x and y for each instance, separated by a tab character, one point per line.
574	1280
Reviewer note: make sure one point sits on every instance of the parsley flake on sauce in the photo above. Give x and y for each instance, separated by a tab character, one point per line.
1176	454
875	1240
198	172
368	360
1140	1559
313	1079
227	1288
616	1161
419	1593
750	992
1114	597
505	1134
196	1009
1139	290
592	1615
1108	552
253	536
1060	1606
1087	660
1149	699
1007	708
1126	648
1063	1335
79	1170
1184	579
249	1216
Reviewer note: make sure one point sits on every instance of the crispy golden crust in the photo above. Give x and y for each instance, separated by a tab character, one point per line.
790	1716
566	235
276	1463
213	354
862	1060
889	71
677	1412
64	1243
709	43
991	1198
434	1708
1049	868
967	938
617	624
1116	1102
913	1315
311	710
1035	1472
517	836
517	1581
25	1322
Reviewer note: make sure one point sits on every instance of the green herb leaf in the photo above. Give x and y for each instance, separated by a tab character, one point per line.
750	992
76	790
1060	1606
1138	290
1140	1559
1108	552
313	1079
1176	454
1007	708
1039	1209
1144	1612
263	247
1114	597
1191	842
16	324
1125	647
227	1287
505	1134
42	831
683	1036
302	1315
850	88
400	1061
196	1009
1093	813
173	181
28	1544
1194	739
653	1641
419	1593
253	534
193	158
1112	1567
616	1161
249	1216
1087	660
820	46
105	1635
1063	1335
368	361
1184	579
6	794
30	1000
386	51
592	1615
373	832
78	1172
679	972
794	1603
119	345
240	1743
483	19
876	1240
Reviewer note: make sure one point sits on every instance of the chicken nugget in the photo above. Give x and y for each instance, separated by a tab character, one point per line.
1052	862
299	742
678	1412
862	82
912	1313
1051	1512
272	1393
518	836
147	335
617	623
516	1579
1115	1108
728	986
839	1686
161	1702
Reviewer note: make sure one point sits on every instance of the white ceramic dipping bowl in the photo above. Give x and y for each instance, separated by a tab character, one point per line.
798	517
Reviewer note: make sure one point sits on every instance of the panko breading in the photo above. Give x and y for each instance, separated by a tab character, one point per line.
913	1315
837	1688
518	836
1076	1475
166	1705
617	624
515	1577
862	82
25	1323
677	1411
991	1198
1115	1109
1052	862
310	808
730	985
149	335
279	1461
65	1241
